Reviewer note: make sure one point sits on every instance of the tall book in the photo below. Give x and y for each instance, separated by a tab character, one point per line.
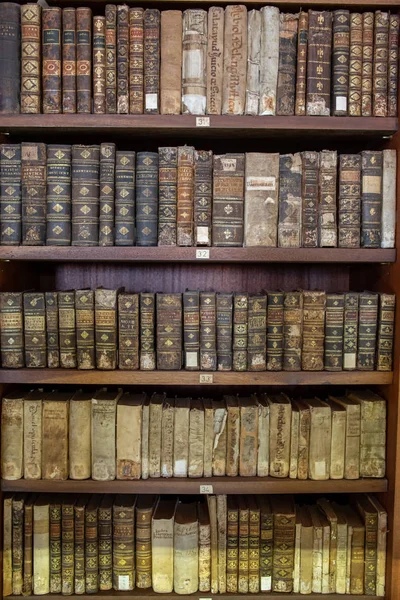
203	173
269	60
111	58
128	331
204	548
146	198
7	545
367	328
17	543
212	510
381	545
30	58
91	545
327	220
167	438
254	545
33	402
283	553
147	332
152	61
124	542
356	551
232	545
350	334
85	195
10	195
191	330
144	508
292	330
314	306
380	65
240	329
290	200
340	61
167	195
338	440
288	30
215	56
145	437
353	428
280	416
306	551
219	450
388	219
310	195
107	195
369	515
12	436
320	438
266	543
79	444
67	543
235	60
355	64
228	200
85	329
155	434
185	196
332	517
194	61
10	65
181	437
104	408
122	59
253	62
12	330
301	67
33	180
106	328
275	331
367	63
349	201
129	436
257	333
243	571
248	437
35	330
232	435
171	60
221	523
69	40
136	62
319	63
304	439
51	59
28	545
169	332
41	546
67	329
186	549
224	305
99	65
79	544
208	348
263	437
55	436
162	546
196	439
384	356
334	327
58	217
294	446
83	60
105	542
393	66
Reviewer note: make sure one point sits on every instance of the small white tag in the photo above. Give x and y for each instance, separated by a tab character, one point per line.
180	468
202	253
341	103
123	582
151	101
320	468
202	234
228	164
349	360
206	378
192	359
202	121
206	489
266	584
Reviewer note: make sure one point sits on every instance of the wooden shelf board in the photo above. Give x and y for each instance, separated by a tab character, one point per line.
186	124
184	378
183	485
176	254
249	3
138	594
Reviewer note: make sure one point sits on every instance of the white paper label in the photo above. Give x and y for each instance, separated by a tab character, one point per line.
151	101
320	468
349	361
261	183
192	64
206	489
372	184
123	582
180	468
266	584
202	121
206	378
228	164
202	234
192	359
341	103
202	252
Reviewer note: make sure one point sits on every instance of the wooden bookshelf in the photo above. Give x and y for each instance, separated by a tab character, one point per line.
145	594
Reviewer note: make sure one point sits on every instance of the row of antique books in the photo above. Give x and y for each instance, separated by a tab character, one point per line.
247	544
97	195
107	435
108	329
231	61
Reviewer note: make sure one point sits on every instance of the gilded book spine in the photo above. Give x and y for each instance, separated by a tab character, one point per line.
146	198
152	20
128	331
208	346
111	58
269	59
228	200
240	327
51	67
266	549
319	63
69	60
194	61
371	198
12	330
290	201
83	60
327	221
257	333
124	198
85	195
58	195
169	332
314	304
105	544
232	551
143	547
243	571
55	547
84	307
191	330
301	72
91	547
66	319
52	332
215	54
33	194
384	355
17	544
292	330
99	65
10	194
310	180
30	58
106	329
147	332
67	548
203	163
167	194
381	64
367	61
123	546
367	328
136	64
340	59
254	549
28	548
253	62
107	194
285	100
355	65
7	545
334	326
185	200
235	60
224	303
10	61
79	549
12	440
350	335
282	567
349	209
35	330
275	331
122	59
393	73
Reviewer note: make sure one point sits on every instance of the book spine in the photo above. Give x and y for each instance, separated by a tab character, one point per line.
83	60
266	550
128	331
167	195
235	60
41	562
99	65
292	330
191	330
152	20
257	333
143	548
275	331
290	200
105	548
283	553
33	179
85	351
215	54
208	342
393	70
357	561
367	61
269	59
85	195
224	306
58	217
51	51
10	194
243	571
185	196
79	550
66	318
111	58
12	426
106	329
285	101
310	180
319	63
388	223
7	543
91	551
124	198
313	331
240	328
253	63
69	60
55	548
28	550
146	198
371	553
147	332
35	330
384	354
380	65
136	52
107	194
301	69
122	59
340	61
367	328
371	198
228	200
203	173
254	551
232	552
67	549
350	335
327	221
334	330
12	332
194	61
17	545
30	58
52	333
169	332
349	209
10	61
123	547
356	64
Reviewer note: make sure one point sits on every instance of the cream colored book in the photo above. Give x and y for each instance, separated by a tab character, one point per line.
232	435
338	440
294	442
269	60
33	434
208	437
330	514
381	546
319	458
18	533
326	534
186	549
297	549
12	435
353	429
235	60
167	438
145	437
219	445
80	452
263	437
41	546
155	426
162	546
129	436
181	437
222	531
212	510
341	553
194	61
388	222
104	411
248	437
204	548
304	439
215	59
55	436
253	62
306	551
280	416
7	546
196	439
171	62
315	513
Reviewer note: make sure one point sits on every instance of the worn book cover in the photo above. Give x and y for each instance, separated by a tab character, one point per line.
129	436
288	30
167	195
169	332
147	332
10	195
79	445
12	435
67	329
269	60
181	437
310	196
104	408
85	195
136	62
240	330
314	306
122	48
384	344
30	58
41	546
85	329
152	19
380	65
248	437
11	330
253	62
107	195
185	196
58	217
215	58
55	436
99	65
224	306
257	333
145	505
367	329
171	62
204	548
388	220
353	429
349	201
124	542
319	63
33	402
280	417
106	328
275	313
203	175
194	61
128	331
334	328
290	201
292	330
125	198
208	347
355	64
33	186
83	60
284	534
235	60
51	59
186	549
327	201
196	439
35	330
105	542
111	58
191	330
69	40
371	198
340	61
261	199
228	200
162	545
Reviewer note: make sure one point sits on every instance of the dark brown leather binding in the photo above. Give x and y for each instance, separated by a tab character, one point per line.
191	330
367	59
224	304
122	59
340	60
35	330
394	25
58	195
10	57
10	194
203	173
83	59
169	332
371	198
310	181
69	60
350	336
55	545
106	329
301	72
290	200
30	58
355	66
111	58
208	326
79	545
367	329
105	542
136	61
128	331
292	330
84	314
18	502
147	332
185	207
167	195
349	201
240	327
124	198
85	195
381	65
314	304
384	350
107	195
152	61
51	52
275	331
91	545
67	544
67	328
319	63
257	333
228	199
327	207
28	545
52	330
334	329
285	98
99	65
12	332
146	198
33	194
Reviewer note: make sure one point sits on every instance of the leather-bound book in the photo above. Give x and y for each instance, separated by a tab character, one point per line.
384	348
147	332
275	331
248	437
136	55
105	542
294	442
196	439
279	440
55	436
381	545
7	544
314	304
35	330
28	545
85	195
369	515
67	328
367	62
235	60
261	199
208	345
240	329
185	196
124	198
388	221
319	63
371	198
169	332
380	65
69	60
340	61
253	62
310	182
266	543
224	305
191	330
122	59
203	174
52	330
33	440
336	546
12	436
283	553
33	179
301	69
55	545
194	61
228	200
83	59
79	544
103	434
18	502
285	100
12	330
254	545
79	445
162	545
186	549
215	57
111	58
123	542
152	20
350	335
67	544
144	508
356	549
41	546
106	328
292	330
334	330
269	59
107	194
257	333
243	566
327	207
145	437
146	198
99	65
59	192
349	202
180	457
393	67
10	194
128	331
167	195
51	57
204	548
355	64
367	329
232	543
30	58
10	61
84	313
91	545
290	200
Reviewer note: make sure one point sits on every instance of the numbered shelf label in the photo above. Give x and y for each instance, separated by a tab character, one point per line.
203	253
206	378
206	489
202	121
